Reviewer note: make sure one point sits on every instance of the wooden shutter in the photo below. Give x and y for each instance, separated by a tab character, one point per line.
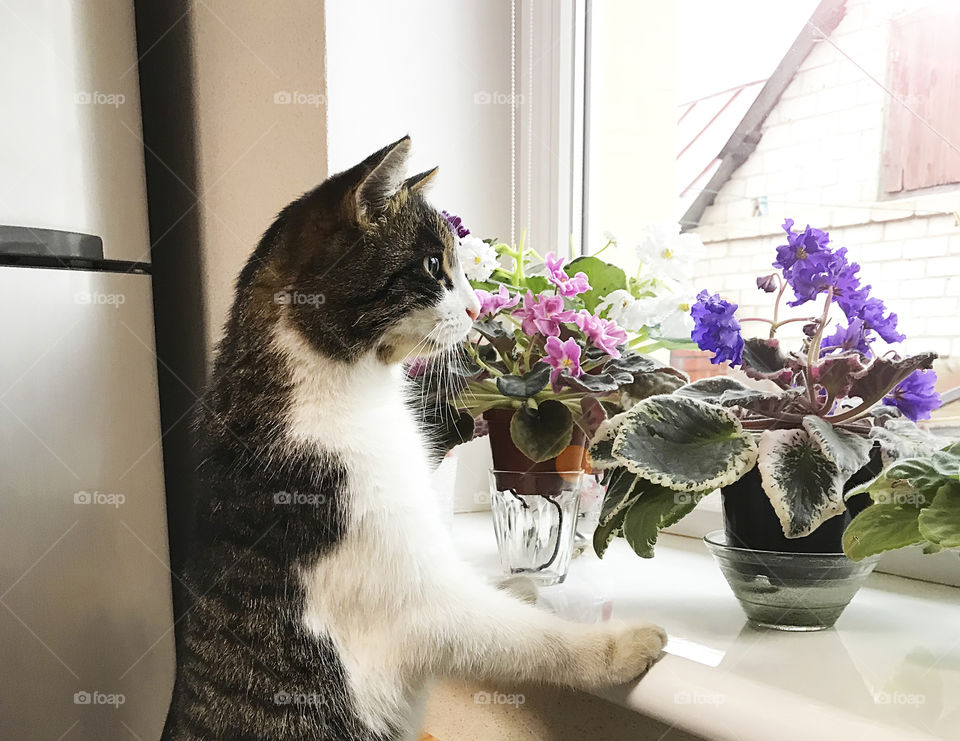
924	73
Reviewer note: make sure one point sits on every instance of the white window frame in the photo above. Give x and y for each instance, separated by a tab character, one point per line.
551	159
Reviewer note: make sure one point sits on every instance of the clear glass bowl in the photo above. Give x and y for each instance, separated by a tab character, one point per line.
789	591
534	520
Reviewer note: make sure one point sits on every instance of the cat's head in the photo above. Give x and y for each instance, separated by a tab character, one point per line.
364	264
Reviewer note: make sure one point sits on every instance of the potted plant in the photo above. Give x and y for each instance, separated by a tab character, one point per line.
915	502
783	444
558	347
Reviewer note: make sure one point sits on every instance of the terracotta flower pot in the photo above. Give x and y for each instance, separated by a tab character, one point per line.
507	457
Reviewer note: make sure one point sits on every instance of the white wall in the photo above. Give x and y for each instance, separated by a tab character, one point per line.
818	162
439	71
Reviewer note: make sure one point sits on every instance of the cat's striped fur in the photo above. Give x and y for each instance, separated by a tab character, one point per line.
327	591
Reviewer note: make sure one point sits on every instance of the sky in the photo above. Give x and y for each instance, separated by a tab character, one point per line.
725	43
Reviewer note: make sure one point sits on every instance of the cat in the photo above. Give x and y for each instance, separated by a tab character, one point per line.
326	590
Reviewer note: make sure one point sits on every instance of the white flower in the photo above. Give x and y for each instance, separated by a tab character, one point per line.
667	253
671	312
620	306
478	258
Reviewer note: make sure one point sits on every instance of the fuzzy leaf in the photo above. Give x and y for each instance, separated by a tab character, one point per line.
763	358
496	335
879	528
901	438
885	373
530	383
940	522
606	532
620	494
646	385
685	444
836	372
849	451
600	449
599	383
804	486
655	508
604	279
727	392
542	433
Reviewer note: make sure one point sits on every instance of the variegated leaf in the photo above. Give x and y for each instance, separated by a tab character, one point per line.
684	444
600	450
901	438
619	495
804	486
848	450
655	508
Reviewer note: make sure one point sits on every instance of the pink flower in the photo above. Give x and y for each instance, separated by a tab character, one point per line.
562	356
543	314
566	286
604	334
491	303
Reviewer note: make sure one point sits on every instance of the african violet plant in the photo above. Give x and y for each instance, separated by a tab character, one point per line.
561	344
809	427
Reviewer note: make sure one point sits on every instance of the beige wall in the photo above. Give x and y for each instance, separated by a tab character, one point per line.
255	153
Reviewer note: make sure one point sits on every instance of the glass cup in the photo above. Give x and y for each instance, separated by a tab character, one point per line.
535	520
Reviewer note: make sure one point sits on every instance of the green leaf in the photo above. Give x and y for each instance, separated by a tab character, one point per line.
606	532
902	438
537	283
879	528
543	432
496	336
646	385
684	444
726	392
804	486
620	494
848	450
593	383
634	363
600	449
654	509
940	522
604	279
525	386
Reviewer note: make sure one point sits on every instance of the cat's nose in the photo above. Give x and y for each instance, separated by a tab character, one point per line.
472	313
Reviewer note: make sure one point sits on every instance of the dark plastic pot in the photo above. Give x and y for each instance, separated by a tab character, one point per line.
750	521
507	457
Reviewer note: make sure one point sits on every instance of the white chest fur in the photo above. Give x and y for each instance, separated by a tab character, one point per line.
379	582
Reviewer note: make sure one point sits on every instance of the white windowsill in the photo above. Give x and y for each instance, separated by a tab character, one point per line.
890	670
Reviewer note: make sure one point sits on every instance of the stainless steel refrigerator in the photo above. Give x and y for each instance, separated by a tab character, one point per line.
86	634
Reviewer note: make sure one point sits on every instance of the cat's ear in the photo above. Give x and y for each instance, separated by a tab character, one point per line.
379	176
421	181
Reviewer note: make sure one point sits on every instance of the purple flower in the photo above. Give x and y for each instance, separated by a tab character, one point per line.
566	286
456	223
562	356
604	334
852	338
915	396
491	303
542	314
875	317
799	245
716	328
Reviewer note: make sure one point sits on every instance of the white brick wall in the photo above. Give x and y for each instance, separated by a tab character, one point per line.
819	161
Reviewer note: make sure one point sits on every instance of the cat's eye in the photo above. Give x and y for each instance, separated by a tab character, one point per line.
432	266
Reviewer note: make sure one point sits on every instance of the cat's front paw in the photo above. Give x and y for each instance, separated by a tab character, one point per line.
627	651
